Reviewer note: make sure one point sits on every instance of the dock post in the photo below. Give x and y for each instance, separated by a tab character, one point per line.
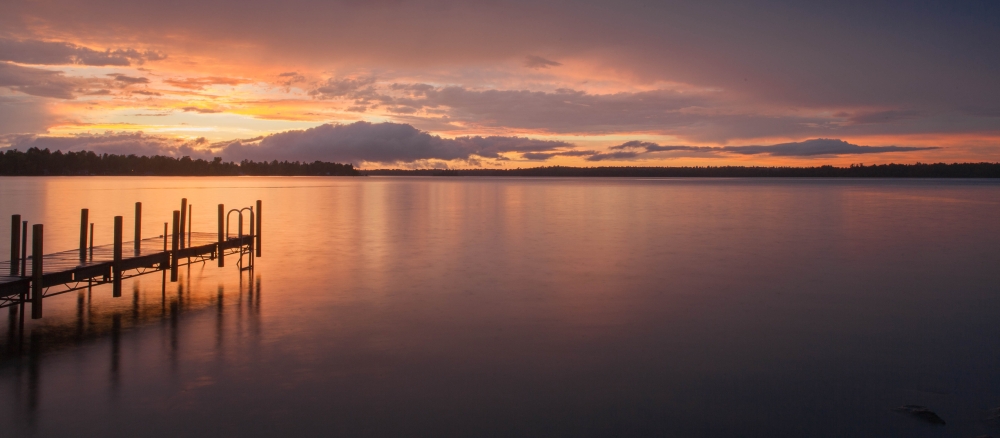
117	266
183	223
175	245
138	226
15	242
84	220
190	223
91	241
164	237
257	218
222	237
24	248
36	270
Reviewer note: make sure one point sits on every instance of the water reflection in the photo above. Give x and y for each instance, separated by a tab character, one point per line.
521	307
91	324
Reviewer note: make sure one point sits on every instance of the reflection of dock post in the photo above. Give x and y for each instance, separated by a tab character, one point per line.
15	242
34	374
117	266
84	221
175	245
36	270
257	218
116	334
138	227
183	224
222	237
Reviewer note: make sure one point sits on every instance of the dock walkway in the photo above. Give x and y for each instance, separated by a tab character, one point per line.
22	282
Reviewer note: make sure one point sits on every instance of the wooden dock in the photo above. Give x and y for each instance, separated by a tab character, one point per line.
28	279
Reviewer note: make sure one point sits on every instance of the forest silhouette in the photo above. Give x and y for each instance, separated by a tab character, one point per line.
37	162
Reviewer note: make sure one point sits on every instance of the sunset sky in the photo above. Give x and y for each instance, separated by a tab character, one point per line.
505	84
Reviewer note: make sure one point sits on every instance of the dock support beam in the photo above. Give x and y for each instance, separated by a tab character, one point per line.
138	227
36	270
91	241
15	242
222	236
175	246
183	224
257	231
117	266
84	221
190	223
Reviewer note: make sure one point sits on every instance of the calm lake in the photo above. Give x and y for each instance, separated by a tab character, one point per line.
418	306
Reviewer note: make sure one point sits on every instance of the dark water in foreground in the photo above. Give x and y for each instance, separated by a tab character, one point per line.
525	307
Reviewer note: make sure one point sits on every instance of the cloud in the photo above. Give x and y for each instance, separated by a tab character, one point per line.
23	114
288	78
359	88
37	82
532	61
128	80
202	82
547	155
194	109
382	143
561	111
878	117
59	53
117	143
803	149
818	146
651	147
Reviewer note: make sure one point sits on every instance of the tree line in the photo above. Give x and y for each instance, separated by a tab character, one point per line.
36	161
918	170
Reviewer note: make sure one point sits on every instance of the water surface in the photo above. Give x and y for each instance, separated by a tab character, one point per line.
524	307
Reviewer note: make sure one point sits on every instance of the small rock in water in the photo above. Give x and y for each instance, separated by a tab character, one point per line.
922	413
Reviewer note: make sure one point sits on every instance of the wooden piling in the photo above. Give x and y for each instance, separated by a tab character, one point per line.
258	219
183	223
164	237
190	219
175	245
222	236
37	255
84	220
117	265
24	248
91	241
15	244
138	227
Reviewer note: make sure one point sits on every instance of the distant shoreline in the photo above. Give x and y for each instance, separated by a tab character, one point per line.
919	170
42	162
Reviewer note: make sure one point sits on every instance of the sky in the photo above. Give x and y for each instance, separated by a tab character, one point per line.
506	84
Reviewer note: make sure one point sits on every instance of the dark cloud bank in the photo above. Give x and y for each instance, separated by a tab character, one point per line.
59	53
804	149
391	143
